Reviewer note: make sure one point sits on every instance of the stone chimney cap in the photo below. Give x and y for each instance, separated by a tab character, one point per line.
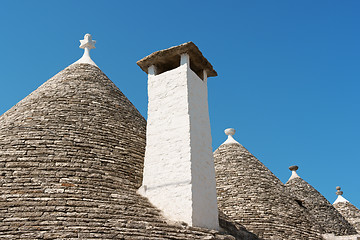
293	168
170	58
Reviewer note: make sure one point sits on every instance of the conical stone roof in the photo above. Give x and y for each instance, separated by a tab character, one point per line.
71	161
347	210
252	195
321	209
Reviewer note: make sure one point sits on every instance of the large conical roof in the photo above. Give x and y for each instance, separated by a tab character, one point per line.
71	160
348	210
324	213
252	195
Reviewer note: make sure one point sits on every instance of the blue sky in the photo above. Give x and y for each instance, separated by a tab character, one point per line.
288	70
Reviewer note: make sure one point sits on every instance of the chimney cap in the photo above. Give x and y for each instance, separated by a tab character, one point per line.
171	57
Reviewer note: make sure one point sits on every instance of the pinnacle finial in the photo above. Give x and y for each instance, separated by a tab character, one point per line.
230	132
338	192
87	44
293	170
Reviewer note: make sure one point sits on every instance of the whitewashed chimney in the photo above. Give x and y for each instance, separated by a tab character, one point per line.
179	174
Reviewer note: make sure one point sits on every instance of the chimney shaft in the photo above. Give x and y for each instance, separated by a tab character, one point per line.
179	174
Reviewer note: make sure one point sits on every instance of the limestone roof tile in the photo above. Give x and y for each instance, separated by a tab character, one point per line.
347	210
321	209
252	195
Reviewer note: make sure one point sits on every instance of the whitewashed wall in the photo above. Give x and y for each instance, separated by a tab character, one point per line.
179	175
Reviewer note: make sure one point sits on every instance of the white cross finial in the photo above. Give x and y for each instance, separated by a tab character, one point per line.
86	44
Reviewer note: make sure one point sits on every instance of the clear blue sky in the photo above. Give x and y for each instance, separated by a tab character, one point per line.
288	79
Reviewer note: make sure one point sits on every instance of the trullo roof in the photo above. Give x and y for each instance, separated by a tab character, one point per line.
348	210
252	195
71	161
324	213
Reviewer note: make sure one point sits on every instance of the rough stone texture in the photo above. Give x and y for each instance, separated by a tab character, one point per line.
71	160
324	213
168	59
350	213
331	236
253	196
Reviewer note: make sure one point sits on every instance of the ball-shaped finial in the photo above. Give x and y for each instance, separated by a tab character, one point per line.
293	168
338	191
229	131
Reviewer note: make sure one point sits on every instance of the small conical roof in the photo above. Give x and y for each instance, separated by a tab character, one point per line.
348	210
252	195
71	161
321	209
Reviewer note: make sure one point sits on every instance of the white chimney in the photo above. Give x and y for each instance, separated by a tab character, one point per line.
179	174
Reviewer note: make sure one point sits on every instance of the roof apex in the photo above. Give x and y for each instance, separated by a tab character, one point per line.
293	172
340	198
87	44
230	132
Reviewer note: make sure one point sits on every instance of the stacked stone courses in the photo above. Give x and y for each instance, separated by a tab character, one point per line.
350	213
320	208
71	161
253	196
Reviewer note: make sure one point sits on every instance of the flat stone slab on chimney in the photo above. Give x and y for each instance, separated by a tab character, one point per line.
168	59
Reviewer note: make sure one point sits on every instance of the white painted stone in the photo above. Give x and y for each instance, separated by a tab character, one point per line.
184	59
179	173
87	44
204	76
293	175
293	172
331	236
340	199
230	132
152	70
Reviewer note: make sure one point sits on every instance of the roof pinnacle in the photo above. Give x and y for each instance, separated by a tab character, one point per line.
340	198
87	44
230	132
338	192
293	170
